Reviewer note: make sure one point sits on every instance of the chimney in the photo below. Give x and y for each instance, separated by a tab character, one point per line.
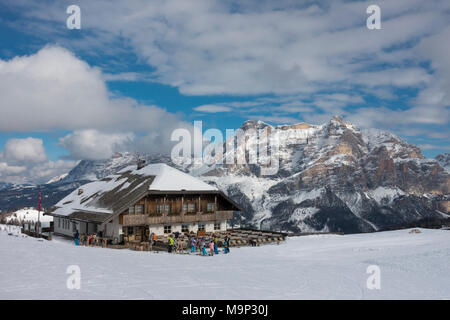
140	164
80	191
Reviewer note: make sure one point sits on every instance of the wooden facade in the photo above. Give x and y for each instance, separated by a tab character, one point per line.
177	208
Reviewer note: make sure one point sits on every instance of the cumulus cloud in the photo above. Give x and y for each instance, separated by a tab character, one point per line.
92	144
25	161
212	108
6	169
53	89
28	150
282	48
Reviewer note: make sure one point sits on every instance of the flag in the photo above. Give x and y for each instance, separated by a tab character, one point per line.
39	201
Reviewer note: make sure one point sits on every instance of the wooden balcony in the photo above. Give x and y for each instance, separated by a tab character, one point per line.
130	220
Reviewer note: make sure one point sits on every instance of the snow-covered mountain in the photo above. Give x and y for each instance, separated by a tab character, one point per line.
444	160
331	177
57	178
4	185
90	170
336	177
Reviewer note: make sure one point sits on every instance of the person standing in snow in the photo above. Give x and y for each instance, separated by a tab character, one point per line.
76	238
194	244
216	251
226	244
170	243
199	244
179	244
203	246
211	247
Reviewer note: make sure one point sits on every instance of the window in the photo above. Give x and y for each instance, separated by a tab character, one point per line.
185	207
130	230
167	229
74	227
131	210
191	207
159	208
167	208
140	209
201	226
216	225
184	228
211	207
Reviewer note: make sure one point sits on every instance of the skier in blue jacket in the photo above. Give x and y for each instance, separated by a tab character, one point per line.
204	253
76	238
194	245
226	244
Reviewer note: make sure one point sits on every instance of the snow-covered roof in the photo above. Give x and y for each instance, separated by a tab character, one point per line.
170	179
115	192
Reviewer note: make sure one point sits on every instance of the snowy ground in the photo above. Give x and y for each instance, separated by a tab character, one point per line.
413	266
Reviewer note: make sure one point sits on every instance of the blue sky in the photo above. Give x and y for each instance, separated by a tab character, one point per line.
136	70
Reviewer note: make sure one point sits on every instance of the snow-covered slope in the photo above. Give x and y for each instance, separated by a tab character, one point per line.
412	266
57	178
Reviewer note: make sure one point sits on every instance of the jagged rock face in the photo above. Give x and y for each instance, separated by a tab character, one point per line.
336	177
444	160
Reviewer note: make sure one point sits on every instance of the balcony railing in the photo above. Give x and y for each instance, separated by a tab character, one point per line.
143	219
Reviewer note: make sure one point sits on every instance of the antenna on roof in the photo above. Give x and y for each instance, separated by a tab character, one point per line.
140	162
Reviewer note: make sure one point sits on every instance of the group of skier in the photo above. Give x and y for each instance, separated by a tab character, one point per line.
200	244
84	239
206	246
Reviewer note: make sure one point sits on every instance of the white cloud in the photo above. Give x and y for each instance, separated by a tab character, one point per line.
25	161
53	89
284	48
28	150
428	146
6	169
227	47
92	144
212	108
43	172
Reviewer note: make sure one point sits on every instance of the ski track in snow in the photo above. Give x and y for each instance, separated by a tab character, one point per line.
413	266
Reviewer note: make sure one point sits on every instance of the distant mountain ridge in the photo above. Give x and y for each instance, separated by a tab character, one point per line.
331	177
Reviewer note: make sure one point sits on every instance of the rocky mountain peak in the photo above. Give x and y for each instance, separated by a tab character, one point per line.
444	160
254	125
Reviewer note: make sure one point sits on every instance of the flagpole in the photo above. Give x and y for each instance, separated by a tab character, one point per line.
39	213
